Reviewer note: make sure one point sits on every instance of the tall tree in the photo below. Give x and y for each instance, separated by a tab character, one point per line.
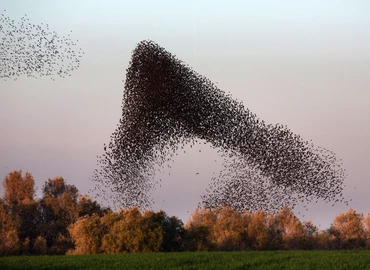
274	233
9	228
109	241
59	208
19	198
258	230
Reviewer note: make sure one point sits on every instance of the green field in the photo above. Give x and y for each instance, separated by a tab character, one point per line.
200	260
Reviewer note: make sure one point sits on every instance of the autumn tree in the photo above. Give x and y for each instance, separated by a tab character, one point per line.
18	189
63	220
9	227
274	232
90	234
134	232
291	229
199	230
19	198
258	230
39	246
322	240
125	234
152	229
229	230
86	233
349	228
311	235
59	208
367	229
109	243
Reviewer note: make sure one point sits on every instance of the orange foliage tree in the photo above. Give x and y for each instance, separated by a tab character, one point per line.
22	208
349	228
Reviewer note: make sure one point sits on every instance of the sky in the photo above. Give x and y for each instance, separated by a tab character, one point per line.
304	64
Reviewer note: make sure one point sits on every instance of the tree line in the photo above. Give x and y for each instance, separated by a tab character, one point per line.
65	222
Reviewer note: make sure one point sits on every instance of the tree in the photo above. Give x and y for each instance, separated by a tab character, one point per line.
351	230
291	229
229	230
333	238
127	231
19	199
152	229
134	232
39	246
367	228
86	234
56	187
311	235
274	233
323	240
109	243
86	206
258	230
59	208
18	189
173	234
11	244
9	227
26	246
197	238
199	230
172	230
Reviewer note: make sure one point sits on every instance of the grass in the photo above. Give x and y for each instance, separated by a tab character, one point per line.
200	260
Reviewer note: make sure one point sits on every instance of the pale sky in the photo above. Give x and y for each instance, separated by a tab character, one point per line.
304	64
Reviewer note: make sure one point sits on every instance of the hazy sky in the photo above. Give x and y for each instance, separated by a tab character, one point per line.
305	64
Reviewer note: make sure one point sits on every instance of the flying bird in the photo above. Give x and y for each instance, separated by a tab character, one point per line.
166	105
33	50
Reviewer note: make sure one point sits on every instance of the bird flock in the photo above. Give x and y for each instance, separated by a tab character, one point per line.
166	105
33	50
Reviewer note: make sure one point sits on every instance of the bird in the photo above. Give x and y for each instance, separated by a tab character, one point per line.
167	105
31	50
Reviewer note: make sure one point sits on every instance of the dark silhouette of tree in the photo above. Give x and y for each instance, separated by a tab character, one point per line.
173	234
86	206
